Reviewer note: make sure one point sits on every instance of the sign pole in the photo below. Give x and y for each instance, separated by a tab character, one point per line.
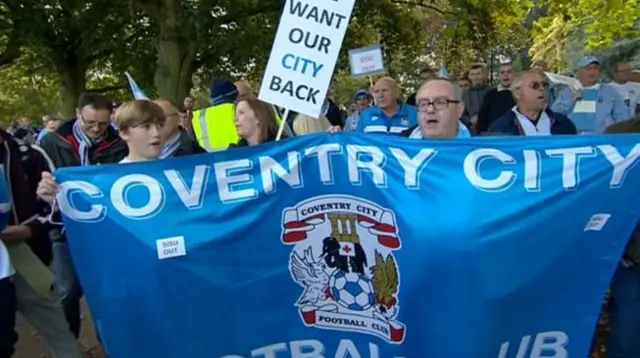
371	89
283	123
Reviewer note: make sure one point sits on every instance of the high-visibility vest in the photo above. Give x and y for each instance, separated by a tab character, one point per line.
214	127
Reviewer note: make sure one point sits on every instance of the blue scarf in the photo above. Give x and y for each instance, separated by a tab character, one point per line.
84	143
463	132
169	148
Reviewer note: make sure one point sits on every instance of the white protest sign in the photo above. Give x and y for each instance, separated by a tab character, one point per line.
366	61
304	54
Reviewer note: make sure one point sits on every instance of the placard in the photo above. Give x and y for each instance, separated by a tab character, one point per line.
366	61
304	54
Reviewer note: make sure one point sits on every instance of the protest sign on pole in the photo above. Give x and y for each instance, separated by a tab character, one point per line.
304	54
366	61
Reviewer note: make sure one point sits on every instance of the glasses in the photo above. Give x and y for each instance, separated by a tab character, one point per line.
94	124
439	104
536	86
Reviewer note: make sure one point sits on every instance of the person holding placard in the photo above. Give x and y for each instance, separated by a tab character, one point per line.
596	105
389	115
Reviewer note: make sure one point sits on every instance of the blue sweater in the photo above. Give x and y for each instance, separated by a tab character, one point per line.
609	108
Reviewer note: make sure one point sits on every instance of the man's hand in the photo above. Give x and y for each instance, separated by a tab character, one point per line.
47	188
626	263
334	129
15	233
474	119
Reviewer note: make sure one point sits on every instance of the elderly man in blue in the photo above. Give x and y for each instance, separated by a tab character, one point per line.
388	116
596	106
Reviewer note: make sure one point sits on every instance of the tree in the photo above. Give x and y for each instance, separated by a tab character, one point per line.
67	36
591	24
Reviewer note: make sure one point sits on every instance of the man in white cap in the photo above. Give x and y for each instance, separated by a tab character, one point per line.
596	106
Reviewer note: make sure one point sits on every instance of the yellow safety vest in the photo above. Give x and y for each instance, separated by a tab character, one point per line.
214	127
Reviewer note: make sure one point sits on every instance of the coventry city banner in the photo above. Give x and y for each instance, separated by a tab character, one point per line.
354	245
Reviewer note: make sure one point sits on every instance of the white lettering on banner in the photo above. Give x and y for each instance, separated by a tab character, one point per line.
472	170
120	197
571	163
323	152
271	169
65	201
374	165
246	179
621	165
546	344
191	197
304	52
311	348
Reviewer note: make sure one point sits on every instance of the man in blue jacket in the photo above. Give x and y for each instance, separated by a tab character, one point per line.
389	115
596	106
530	116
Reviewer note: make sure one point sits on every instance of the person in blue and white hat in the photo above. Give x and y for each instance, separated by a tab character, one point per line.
596	105
362	100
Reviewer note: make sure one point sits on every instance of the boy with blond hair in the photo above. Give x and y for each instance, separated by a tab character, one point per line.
140	125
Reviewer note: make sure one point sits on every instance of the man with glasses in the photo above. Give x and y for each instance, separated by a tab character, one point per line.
88	139
530	116
176	141
440	107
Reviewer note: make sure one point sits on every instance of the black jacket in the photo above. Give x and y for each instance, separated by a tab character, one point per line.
24	165
62	147
507	124
495	104
188	145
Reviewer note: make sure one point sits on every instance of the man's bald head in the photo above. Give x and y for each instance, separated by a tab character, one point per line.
444	85
386	91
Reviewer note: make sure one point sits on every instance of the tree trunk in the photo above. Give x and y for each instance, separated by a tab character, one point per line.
177	47
175	68
73	83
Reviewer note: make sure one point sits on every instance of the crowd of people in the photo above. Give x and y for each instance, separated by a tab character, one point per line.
525	104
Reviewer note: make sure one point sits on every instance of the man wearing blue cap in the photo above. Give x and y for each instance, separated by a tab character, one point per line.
362	100
214	127
594	107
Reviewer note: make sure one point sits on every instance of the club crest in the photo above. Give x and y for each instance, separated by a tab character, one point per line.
343	259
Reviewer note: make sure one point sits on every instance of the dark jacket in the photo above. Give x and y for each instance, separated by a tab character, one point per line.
243	143
188	145
62	147
474	97
23	169
625	127
507	124
495	104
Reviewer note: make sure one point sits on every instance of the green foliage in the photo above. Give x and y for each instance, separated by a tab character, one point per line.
571	26
25	91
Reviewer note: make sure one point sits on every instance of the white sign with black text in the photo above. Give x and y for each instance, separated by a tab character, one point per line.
366	61
304	54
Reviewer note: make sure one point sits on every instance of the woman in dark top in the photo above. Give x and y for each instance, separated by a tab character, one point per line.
255	122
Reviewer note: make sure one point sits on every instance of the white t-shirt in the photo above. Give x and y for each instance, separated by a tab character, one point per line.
6	270
630	93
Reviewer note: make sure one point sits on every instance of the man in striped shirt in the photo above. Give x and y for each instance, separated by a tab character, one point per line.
389	115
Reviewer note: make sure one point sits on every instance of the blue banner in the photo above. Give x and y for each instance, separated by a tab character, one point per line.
354	245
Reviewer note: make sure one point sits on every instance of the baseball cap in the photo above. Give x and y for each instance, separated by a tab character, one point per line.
587	60
362	92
